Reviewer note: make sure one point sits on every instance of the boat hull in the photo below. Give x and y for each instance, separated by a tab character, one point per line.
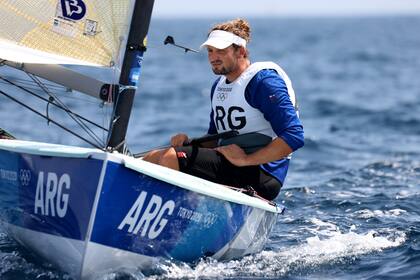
91	212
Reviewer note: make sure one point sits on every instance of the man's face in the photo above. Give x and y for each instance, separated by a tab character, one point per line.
223	61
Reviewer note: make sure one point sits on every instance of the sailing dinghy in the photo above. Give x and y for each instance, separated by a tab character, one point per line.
90	211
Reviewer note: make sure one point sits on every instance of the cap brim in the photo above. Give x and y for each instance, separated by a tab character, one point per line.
220	39
216	43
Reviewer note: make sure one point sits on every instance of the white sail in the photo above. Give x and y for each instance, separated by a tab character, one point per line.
87	32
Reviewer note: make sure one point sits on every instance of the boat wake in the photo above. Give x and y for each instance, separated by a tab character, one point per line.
327	247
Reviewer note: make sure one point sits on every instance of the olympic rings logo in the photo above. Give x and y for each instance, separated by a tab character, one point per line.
25	177
221	96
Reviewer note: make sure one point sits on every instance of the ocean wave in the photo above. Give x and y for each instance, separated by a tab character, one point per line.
367	213
329	107
391	172
398	122
369	56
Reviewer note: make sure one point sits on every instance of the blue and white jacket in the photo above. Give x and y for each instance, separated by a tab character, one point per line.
261	105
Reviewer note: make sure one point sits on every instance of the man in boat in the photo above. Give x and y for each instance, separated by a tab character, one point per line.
258	101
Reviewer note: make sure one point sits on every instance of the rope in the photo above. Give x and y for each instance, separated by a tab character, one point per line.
48	100
54	122
90	132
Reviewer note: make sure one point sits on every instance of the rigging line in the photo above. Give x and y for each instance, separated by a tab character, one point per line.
63	92
74	95
106	115
31	83
76	119
84	100
114	118
57	105
51	100
54	122
29	86
55	98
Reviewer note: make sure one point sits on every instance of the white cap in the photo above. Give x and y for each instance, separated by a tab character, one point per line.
222	39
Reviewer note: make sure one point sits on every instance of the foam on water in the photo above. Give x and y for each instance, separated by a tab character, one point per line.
366	213
328	246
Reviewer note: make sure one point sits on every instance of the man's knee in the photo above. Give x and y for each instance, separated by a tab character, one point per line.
169	159
153	156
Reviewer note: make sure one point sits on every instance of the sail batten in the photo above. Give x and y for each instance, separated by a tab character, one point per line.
85	32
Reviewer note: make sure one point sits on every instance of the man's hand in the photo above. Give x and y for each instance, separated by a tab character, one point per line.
234	154
276	150
178	140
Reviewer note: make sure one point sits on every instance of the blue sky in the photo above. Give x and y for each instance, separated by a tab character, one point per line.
260	8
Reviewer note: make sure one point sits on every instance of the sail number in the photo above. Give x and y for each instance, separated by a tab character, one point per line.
149	218
51	197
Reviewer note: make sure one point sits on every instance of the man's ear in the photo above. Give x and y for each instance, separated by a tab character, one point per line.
242	52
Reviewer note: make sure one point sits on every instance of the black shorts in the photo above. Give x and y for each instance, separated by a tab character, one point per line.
213	166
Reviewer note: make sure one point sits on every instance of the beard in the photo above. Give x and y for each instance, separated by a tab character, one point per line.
221	71
224	68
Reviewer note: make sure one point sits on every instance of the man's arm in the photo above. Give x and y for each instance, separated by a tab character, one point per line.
182	139
268	93
276	150
209	144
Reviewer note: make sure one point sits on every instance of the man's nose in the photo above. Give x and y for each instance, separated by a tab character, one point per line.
211	56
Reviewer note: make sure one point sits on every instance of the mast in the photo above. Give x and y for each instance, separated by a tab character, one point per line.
130	72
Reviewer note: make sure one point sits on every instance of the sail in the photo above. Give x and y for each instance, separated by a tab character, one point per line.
86	32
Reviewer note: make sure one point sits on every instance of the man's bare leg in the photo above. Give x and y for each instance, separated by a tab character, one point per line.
153	156
166	157
169	159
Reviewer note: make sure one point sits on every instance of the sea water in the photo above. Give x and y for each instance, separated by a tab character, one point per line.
352	193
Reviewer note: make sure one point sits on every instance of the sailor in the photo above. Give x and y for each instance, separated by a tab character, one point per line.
258	101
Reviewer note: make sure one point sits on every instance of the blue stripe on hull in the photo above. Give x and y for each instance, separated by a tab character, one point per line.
48	194
140	214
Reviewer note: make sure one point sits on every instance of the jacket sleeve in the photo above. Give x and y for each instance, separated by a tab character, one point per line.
267	92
